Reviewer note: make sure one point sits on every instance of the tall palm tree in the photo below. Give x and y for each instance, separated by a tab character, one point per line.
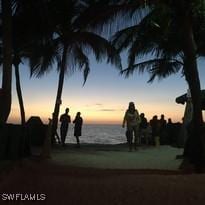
5	94
16	61
176	47
22	17
69	46
19	42
181	24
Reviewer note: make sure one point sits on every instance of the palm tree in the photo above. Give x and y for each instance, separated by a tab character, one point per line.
172	35
69	46
16	62
22	16
5	92
7	58
173	51
19	43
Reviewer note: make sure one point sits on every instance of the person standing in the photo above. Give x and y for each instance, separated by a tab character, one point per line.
65	120
163	134
170	132
132	119
154	122
78	121
143	129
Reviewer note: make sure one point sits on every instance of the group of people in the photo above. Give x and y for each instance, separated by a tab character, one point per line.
65	119
140	131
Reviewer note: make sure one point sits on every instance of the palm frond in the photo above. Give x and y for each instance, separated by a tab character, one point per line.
99	46
163	69
140	49
108	17
77	59
42	56
160	68
122	39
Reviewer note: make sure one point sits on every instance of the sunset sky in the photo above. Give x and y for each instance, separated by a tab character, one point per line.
105	96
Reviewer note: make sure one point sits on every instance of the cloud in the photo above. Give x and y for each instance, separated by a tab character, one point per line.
111	110
107	110
98	104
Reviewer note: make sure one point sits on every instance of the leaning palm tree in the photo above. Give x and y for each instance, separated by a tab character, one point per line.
18	56
173	51
181	24
69	46
16	62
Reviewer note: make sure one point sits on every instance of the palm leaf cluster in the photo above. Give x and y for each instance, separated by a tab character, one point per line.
165	36
173	35
156	36
80	43
46	33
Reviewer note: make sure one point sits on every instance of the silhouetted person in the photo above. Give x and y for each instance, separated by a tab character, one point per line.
78	121
154	122
132	120
65	120
149	133
170	131
143	129
163	135
162	121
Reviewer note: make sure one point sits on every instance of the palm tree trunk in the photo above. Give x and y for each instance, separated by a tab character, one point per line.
195	145
5	97
59	93
19	94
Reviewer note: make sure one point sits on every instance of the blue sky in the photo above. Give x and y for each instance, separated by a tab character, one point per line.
105	96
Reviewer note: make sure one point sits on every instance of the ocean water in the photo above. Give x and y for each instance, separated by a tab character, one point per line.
98	134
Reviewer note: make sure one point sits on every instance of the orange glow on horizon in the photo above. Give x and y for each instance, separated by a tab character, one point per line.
100	116
109	111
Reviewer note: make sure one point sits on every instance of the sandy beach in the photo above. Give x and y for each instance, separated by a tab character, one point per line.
118	156
63	183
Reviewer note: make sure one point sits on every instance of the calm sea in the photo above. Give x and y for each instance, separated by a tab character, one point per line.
98	134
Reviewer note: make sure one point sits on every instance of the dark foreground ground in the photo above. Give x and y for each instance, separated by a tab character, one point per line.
120	178
88	186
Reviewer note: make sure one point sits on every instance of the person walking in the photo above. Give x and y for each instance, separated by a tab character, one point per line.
132	119
65	120
78	121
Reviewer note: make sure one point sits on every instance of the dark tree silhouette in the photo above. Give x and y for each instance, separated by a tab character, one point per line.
70	45
171	31
5	96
